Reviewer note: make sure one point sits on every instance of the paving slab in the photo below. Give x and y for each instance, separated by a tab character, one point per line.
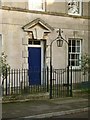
39	107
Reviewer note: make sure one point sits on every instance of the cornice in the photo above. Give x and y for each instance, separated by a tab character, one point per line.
42	12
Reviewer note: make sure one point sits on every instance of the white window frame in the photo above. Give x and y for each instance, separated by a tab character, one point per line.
34	6
75	53
80	7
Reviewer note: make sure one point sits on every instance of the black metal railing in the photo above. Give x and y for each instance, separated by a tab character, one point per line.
16	81
60	85
65	82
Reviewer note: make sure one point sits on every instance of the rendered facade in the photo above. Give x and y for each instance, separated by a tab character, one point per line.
27	29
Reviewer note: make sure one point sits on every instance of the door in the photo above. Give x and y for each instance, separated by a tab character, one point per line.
34	62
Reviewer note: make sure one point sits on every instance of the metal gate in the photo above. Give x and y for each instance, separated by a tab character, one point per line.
61	82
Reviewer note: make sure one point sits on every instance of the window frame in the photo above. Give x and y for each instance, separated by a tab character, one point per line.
34	42
75	53
43	5
80	8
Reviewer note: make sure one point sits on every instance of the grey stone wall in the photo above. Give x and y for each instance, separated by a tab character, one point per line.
13	21
58	7
15	3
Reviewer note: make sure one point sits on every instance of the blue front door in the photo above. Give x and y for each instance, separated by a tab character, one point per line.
34	62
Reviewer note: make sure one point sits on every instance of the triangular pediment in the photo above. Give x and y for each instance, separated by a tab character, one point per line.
40	23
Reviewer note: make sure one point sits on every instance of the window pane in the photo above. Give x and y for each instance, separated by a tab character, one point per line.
77	56
73	63
73	49
73	42
36	4
78	42
77	63
36	43
69	42
74	7
73	56
69	49
78	49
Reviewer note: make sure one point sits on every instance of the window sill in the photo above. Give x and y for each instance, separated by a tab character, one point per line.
74	14
75	67
42	10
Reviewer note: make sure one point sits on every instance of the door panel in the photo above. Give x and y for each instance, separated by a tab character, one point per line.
34	61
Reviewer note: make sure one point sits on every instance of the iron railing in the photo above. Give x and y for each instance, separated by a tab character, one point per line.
16	81
63	86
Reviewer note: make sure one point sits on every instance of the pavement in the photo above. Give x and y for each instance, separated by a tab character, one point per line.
40	109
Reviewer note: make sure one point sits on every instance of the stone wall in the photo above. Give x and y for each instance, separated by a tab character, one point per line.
56	7
12	32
